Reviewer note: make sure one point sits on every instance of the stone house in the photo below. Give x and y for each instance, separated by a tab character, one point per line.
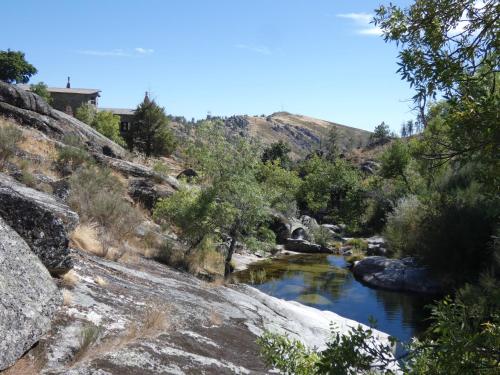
68	99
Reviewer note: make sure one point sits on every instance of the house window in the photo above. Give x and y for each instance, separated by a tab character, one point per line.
93	101
124	126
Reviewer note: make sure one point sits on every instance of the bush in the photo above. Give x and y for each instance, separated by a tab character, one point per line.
105	122
358	244
10	136
322	236
451	234
41	90
98	196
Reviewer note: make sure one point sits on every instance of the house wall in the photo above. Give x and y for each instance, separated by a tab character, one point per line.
69	102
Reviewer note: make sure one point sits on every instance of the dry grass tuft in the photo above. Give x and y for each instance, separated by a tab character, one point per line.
67	297
215	318
100	281
153	323
85	237
70	279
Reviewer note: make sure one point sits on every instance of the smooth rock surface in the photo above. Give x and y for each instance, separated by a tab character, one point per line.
395	274
41	220
209	329
28	297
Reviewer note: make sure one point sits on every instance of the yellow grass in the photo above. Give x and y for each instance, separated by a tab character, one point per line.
70	279
100	281
67	297
85	238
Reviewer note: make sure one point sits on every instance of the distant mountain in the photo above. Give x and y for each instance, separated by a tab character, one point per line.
304	134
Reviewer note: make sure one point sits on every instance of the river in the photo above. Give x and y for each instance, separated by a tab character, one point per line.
324	282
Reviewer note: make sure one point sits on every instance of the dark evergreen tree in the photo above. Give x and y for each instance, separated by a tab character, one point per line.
149	132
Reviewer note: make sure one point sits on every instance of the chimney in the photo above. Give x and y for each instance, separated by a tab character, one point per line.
68	85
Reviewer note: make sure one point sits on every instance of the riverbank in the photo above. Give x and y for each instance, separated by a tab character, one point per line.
149	318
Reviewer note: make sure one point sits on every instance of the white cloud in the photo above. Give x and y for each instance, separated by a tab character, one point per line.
263	50
362	22
144	51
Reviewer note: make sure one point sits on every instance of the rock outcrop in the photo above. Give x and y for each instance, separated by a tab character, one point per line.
304	246
31	110
41	220
28	297
151	319
395	274
129	168
147	193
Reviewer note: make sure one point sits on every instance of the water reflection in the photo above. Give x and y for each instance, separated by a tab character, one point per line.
324	282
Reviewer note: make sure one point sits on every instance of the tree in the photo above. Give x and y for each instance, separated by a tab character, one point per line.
450	48
330	146
149	132
395	160
14	68
40	89
331	189
380	134
105	122
230	201
277	151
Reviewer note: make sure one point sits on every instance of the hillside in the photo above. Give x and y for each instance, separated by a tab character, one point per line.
302	133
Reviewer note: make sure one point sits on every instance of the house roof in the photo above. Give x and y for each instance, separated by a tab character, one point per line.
65	90
118	111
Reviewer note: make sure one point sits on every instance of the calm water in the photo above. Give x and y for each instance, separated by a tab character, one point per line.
324	282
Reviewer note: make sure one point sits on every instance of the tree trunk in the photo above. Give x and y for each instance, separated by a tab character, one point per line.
229	256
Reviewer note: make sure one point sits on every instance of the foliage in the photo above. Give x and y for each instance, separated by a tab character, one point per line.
448	229
71	156
380	134
357	352
289	356
358	244
149	132
280	186
230	200
331	189
277	152
330	146
322	236
14	68
449	48
395	160
104	122
10	136
86	113
41	90
98	196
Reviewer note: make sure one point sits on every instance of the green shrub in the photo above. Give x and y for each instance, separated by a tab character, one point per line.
10	136
98	196
71	157
358	244
322	236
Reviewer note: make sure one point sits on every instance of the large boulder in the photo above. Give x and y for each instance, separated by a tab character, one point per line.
41	220
28	297
147	193
395	274
304	246
31	110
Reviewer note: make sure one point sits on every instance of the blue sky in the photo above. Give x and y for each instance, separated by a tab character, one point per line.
317	58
